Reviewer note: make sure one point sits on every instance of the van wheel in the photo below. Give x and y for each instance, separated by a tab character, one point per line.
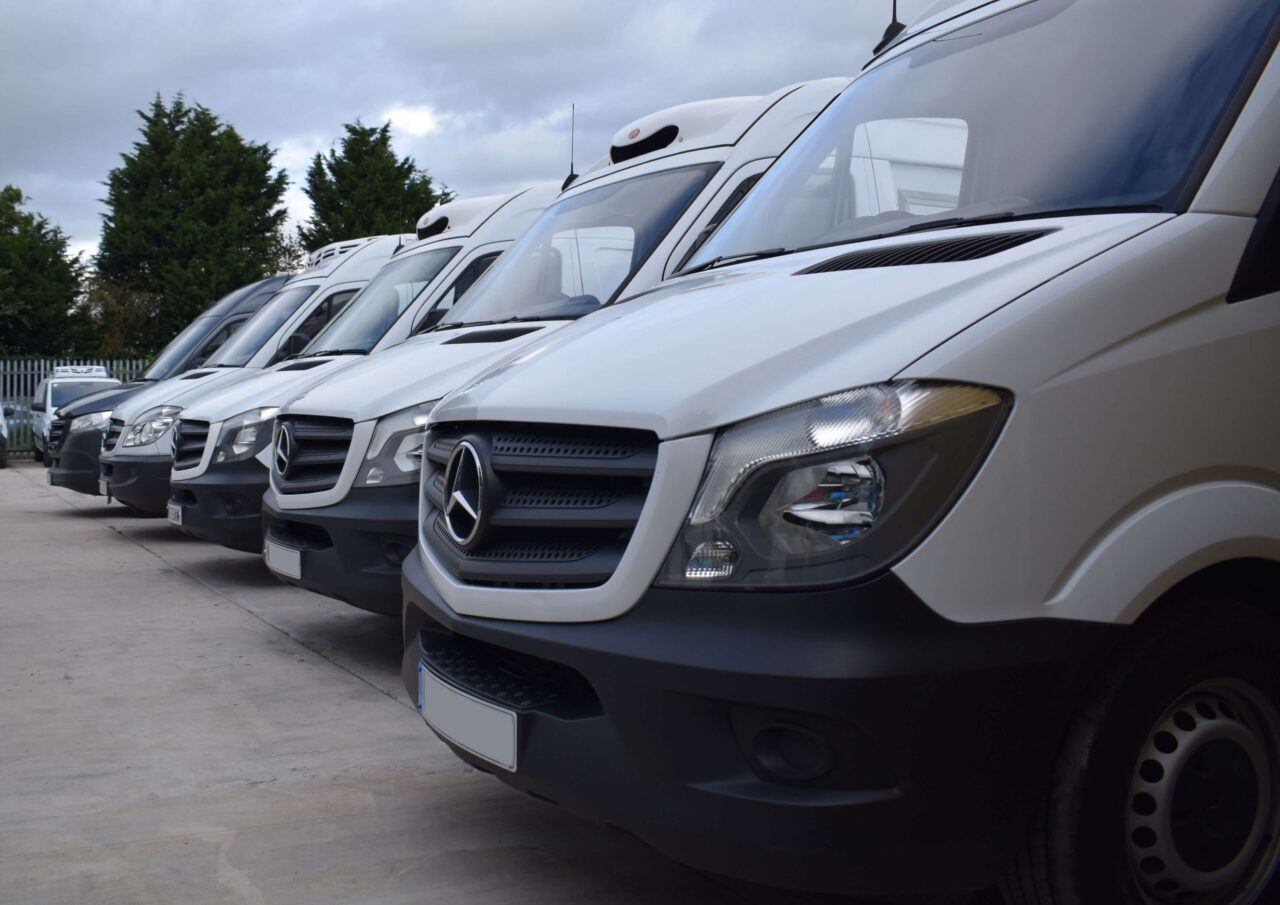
39	456
1167	787
4	457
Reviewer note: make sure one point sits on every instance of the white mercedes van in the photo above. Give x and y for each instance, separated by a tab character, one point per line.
64	385
220	454
917	539
342	510
137	449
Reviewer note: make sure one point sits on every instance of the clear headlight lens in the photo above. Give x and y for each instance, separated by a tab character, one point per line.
245	435
151	426
94	421
833	489
395	450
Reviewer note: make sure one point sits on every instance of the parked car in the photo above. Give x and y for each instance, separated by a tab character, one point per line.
6	412
65	385
75	435
221	460
911	541
342	510
137	450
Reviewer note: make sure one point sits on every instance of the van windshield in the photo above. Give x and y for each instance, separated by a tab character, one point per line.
173	355
581	251
246	342
67	391
371	313
1007	118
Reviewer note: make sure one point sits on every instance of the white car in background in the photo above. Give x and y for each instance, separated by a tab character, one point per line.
65	385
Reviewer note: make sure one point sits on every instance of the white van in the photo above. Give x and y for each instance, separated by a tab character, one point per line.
342	510
137	449
65	385
216	487
937	543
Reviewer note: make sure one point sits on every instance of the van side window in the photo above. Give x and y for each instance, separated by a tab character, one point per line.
214	343
1259	270
465	281
313	323
714	223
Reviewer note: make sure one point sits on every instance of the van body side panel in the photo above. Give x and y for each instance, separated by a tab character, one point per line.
1145	386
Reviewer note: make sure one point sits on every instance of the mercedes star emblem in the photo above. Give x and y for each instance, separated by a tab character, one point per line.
464	480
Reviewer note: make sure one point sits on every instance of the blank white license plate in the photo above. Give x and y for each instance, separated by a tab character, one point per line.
486	730
285	560
102	487
175	514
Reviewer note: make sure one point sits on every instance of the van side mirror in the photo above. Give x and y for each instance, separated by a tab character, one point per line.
8	411
433	317
37	406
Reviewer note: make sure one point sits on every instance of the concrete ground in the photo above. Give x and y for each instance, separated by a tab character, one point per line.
177	726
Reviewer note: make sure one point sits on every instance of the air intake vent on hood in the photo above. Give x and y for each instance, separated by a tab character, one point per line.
195	375
939	251
305	365
490	336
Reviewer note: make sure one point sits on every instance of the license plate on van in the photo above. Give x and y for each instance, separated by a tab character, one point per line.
484	729
285	560
175	514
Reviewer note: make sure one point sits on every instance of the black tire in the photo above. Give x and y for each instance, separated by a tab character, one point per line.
4	455
39	456
1185	716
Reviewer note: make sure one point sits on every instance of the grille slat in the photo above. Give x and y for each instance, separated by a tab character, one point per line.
57	429
317	454
560	503
939	251
189	440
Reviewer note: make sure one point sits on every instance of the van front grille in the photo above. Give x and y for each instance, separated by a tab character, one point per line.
189	439
311	459
114	429
557	505
57	429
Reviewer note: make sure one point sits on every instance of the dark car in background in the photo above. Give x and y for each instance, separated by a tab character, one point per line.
75	436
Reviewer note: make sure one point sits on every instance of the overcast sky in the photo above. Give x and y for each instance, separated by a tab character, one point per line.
477	92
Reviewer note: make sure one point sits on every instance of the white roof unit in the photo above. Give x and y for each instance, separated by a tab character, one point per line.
456	215
80	371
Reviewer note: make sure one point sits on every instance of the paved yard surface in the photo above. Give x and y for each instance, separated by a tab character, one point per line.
178	727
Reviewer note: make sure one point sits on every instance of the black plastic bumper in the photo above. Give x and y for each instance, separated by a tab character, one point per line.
76	465
140	482
352	550
224	505
846	741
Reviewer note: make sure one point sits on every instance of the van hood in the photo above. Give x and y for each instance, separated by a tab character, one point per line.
102	400
418	370
272	387
711	349
181	390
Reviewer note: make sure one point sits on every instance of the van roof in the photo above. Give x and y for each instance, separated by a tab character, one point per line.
350	255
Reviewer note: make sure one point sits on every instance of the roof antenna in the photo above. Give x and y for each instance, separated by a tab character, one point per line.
895	28
573	124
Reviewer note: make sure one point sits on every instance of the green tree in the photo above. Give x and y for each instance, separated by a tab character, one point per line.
363	189
40	307
194	211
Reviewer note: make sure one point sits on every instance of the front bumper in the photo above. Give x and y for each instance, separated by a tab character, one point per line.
845	741
224	505
76	465
140	482
351	550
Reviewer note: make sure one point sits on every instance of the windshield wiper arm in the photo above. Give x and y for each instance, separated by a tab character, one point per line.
725	260
458	325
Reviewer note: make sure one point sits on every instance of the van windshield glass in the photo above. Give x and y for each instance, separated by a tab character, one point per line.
173	355
579	253
371	313
64	392
246	342
1006	118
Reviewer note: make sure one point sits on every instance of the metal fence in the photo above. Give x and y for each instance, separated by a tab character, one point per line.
19	378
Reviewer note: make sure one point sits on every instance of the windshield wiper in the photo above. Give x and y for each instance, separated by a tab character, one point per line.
458	325
352	351
725	260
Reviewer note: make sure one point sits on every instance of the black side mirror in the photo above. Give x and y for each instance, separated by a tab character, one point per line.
433	317
8	411
37	406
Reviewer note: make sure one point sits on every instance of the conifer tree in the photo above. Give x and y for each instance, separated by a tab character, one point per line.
362	189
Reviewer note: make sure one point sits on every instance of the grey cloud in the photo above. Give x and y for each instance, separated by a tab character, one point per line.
499	75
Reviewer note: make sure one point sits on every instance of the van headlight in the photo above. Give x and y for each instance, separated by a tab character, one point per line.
245	435
151	426
395	449
833	489
94	421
